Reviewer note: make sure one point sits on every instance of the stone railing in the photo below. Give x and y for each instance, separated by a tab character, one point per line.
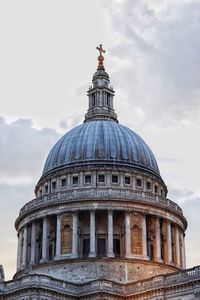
158	282
100	194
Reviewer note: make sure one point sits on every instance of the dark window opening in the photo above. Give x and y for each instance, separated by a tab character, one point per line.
93	99
88	179
101	247
63	182
114	178
46	188
127	180
139	182
156	189
86	247
75	180
148	185
116	247
101	178
54	185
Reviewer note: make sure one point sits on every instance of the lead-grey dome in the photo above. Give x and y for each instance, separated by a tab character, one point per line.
101	142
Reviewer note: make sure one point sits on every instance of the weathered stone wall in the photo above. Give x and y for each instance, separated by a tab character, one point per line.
117	270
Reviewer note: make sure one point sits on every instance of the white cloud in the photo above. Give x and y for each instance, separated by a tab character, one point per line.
23	150
159	52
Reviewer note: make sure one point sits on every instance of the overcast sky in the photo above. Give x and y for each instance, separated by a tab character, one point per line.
47	59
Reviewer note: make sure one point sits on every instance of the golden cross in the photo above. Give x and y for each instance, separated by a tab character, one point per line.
101	50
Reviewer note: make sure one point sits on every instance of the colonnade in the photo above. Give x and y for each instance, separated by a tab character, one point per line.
174	247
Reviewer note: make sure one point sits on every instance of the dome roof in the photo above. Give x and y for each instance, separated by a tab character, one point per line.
101	142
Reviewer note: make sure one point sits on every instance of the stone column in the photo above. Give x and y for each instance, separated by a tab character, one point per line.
127	235
110	234
169	243
19	252
158	241
144	237
177	241
33	243
183	262
92	234
25	247
75	235
58	237
44	240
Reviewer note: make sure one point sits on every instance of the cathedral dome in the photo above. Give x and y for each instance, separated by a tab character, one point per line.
101	142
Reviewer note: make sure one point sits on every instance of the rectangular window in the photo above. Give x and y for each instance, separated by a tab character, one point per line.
114	178
139	182
46	188
156	189
127	180
148	185
101	178
88	179
75	179
53	185
63	182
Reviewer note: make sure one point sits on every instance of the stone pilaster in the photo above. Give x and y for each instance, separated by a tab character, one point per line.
25	247
75	235
44	240
92	234
33	243
127	235
110	234
58	237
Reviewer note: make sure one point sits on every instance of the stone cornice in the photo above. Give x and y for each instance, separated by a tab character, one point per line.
99	194
186	279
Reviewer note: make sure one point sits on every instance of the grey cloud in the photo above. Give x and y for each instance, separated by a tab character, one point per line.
159	53
23	150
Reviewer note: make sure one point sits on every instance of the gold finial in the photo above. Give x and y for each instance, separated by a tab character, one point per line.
100	57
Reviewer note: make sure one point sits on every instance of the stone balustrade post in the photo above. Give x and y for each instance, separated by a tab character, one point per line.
110	234
25	247
58	237
92	234
33	243
127	235
75	235
44	240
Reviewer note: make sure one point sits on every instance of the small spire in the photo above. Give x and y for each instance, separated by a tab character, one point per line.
100	58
